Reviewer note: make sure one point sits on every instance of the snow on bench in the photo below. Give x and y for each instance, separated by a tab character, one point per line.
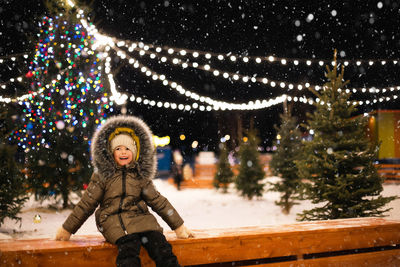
346	242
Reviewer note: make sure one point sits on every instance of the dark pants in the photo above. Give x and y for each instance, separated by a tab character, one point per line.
154	242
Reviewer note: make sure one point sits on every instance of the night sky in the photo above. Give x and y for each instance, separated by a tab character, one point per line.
286	29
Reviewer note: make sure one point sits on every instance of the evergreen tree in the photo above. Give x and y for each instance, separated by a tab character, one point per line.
339	161
12	182
283	161
224	174
67	102
248	181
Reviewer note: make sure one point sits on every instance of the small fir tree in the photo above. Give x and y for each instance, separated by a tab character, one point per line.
248	181
339	161
224	174
283	161
12	182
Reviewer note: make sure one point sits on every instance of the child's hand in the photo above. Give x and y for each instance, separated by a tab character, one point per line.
62	234
183	233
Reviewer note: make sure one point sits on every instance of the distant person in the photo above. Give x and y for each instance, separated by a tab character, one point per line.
177	168
125	162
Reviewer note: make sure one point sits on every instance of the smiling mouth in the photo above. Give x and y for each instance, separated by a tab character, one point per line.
123	158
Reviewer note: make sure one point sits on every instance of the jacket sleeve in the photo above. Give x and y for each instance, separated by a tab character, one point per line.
161	205
86	206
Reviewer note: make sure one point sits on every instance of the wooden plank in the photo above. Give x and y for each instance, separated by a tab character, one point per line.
394	172
194	183
197	183
64	254
90	256
389	171
216	245
388	258
393	166
205	170
290	240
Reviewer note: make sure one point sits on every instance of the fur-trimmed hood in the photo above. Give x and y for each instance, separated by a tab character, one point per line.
102	158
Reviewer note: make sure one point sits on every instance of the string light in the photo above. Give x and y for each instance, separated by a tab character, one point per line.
11	80
237	76
168	105
245	106
116	96
246	59
217	105
148	49
267	59
13	57
233	58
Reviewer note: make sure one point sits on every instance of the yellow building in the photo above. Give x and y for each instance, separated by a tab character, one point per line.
384	127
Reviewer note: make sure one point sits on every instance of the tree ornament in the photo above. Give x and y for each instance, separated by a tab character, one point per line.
60	125
37	218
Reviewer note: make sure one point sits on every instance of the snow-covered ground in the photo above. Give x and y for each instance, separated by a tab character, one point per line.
200	208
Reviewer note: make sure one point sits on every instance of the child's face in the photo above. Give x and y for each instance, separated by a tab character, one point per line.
122	155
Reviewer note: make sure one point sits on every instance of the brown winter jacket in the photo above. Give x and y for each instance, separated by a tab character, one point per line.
123	193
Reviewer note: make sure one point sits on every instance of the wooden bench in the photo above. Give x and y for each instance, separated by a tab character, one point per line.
205	170
194	183
201	178
391	172
347	242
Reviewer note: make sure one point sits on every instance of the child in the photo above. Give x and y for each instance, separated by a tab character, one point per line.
124	161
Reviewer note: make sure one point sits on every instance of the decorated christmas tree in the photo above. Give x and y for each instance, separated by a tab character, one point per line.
12	182
67	102
339	161
288	150
248	181
224	175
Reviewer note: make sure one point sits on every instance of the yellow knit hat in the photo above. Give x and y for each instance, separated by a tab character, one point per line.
126	137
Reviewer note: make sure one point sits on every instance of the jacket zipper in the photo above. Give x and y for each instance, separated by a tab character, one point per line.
122	199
